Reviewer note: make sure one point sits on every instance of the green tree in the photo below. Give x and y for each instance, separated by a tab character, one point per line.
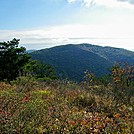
45	72
12	59
39	70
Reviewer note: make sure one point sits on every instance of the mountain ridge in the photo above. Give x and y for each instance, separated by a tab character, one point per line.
71	60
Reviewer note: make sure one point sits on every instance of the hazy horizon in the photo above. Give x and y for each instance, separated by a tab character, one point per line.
51	42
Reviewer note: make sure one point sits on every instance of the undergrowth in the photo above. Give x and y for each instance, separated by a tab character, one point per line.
65	107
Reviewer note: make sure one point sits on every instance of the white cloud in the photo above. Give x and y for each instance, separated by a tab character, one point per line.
88	3
98	34
114	3
129	1
71	1
107	3
73	31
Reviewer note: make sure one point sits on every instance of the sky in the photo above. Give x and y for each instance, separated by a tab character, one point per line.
45	23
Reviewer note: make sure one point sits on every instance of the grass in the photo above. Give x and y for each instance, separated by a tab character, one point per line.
65	107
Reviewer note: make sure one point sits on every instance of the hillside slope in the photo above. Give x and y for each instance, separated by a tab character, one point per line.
71	61
110	53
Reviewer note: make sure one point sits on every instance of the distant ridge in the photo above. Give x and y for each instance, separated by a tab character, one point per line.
70	61
30	51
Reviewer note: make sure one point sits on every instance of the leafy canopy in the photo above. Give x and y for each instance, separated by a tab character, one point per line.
40	71
12	59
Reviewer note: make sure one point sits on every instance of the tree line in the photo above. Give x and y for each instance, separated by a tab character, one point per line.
15	62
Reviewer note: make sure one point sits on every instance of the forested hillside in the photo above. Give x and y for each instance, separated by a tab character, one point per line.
110	53
71	61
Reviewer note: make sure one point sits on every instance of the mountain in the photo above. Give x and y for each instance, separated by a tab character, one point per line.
70	61
30	51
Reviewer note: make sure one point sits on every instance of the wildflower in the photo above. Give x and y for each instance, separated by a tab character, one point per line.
25	99
56	119
84	122
117	115
71	123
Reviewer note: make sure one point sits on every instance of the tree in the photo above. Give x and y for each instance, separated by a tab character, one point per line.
12	59
39	70
123	74
45	72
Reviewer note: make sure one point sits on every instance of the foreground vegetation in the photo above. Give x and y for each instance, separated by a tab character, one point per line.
34	101
32	107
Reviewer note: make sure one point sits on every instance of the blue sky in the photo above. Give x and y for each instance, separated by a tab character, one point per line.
45	23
